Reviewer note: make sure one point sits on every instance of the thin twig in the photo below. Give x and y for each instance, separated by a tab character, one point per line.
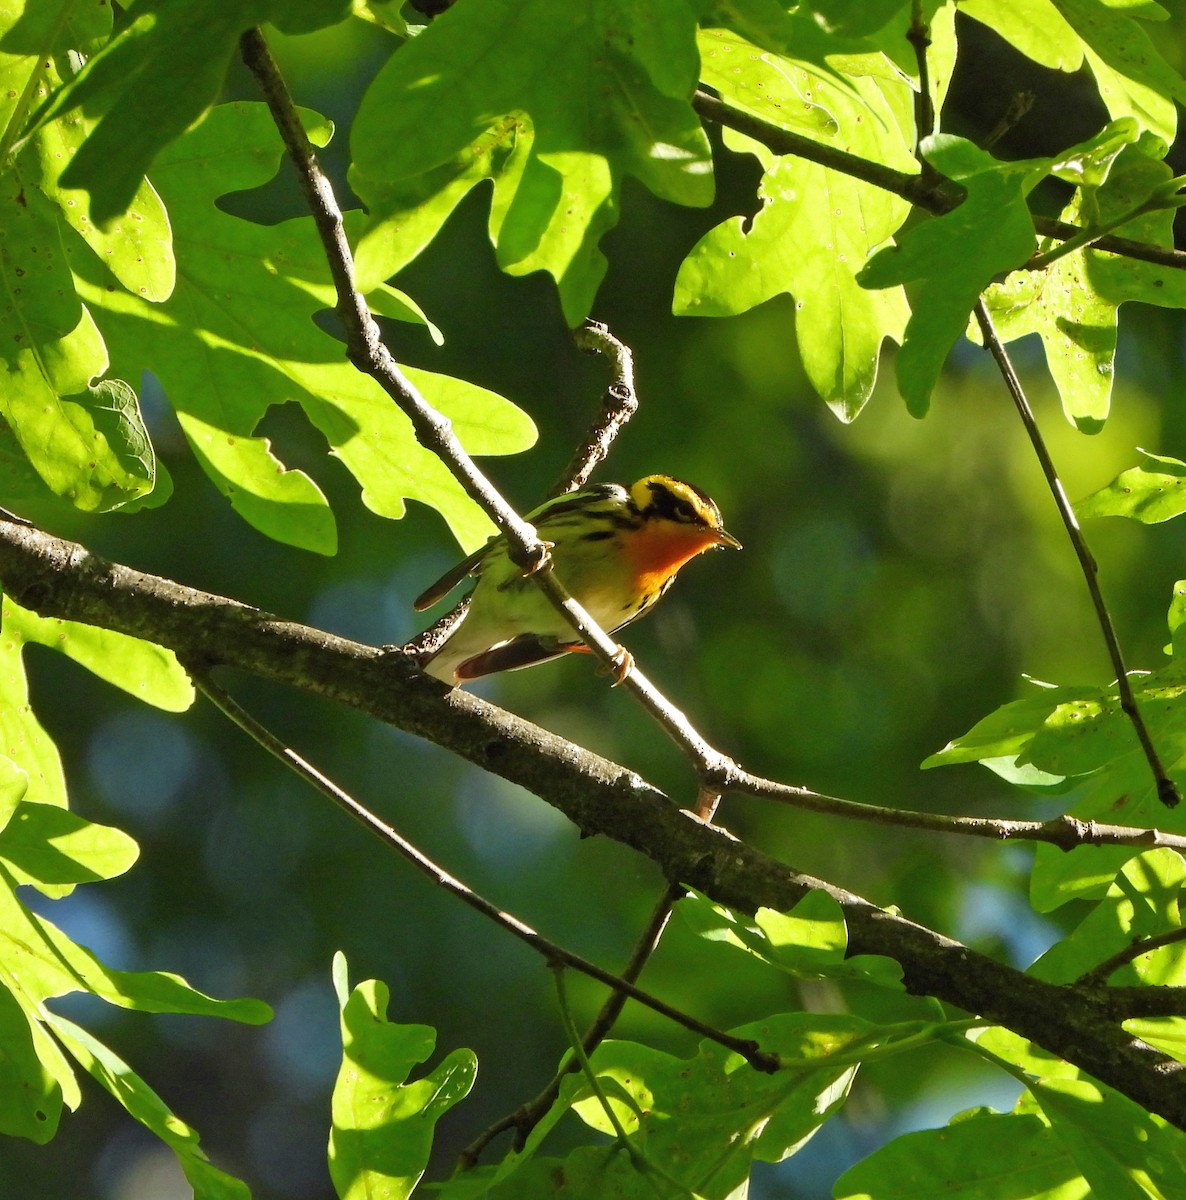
1101	974
939	196
919	36
364	344
529	1114
1167	790
1017	111
263	737
618	404
581	1063
1065	832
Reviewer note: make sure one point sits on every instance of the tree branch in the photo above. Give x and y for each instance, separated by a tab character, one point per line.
62	579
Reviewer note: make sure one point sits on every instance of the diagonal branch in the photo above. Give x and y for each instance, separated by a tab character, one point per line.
59	578
62	579
1167	790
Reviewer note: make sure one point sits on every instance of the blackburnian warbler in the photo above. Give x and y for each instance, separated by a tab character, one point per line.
615	551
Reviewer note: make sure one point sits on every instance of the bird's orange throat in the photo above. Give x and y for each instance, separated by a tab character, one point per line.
659	550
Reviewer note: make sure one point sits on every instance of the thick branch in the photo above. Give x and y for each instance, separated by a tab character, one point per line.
62	579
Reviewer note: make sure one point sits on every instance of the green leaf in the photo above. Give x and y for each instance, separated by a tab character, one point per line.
14	783
52	353
36	40
1133	77
1121	1150
954	257
145	1106
707	1119
606	86
809	942
816	227
148	672
1007	731
1176	619
382	1124
146	87
53	849
137	247
1034	28
237	336
1141	903
1152	491
38	962
144	670
30	1095
985	1158
1072	304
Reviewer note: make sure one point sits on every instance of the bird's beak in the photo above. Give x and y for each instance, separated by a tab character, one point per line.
726	539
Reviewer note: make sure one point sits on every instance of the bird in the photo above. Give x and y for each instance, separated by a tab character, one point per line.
615	550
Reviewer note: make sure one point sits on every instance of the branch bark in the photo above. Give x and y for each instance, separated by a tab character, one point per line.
58	578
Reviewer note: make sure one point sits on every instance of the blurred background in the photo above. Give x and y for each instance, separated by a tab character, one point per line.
899	577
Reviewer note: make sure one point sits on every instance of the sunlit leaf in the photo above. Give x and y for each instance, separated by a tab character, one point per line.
383	1124
954	257
237	336
53	849
816	227
993	1155
145	1106
606	87
1151	492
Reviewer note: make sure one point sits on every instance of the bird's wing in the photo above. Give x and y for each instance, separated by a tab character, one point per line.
523	651
452	577
559	508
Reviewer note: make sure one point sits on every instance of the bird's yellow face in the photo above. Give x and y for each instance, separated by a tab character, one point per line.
679	522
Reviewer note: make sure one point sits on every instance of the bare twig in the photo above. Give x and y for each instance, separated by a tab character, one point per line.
550	950
1018	109
919	36
618	404
364	345
1167	790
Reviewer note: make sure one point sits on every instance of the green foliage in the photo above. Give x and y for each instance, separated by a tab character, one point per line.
126	163
382	1124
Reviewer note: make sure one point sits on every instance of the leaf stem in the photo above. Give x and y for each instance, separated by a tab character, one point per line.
1167	790
919	36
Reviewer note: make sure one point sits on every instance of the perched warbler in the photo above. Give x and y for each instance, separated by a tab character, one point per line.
616	552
